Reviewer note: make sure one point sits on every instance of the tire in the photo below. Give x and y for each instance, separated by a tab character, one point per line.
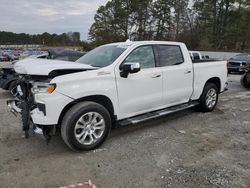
12	85
243	81
84	121
210	93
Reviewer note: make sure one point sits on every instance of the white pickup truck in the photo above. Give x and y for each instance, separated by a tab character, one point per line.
118	83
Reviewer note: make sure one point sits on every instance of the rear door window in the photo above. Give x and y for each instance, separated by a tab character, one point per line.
170	55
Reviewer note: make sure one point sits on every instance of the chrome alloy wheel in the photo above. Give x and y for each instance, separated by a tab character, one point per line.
211	98
89	128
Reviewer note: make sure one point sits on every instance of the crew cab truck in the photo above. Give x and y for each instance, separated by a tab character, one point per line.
118	83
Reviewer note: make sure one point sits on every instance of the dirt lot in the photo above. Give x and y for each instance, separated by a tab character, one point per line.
187	149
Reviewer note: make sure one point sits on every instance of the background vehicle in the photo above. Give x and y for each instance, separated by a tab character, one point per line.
195	55
119	83
5	57
238	63
205	57
65	54
245	78
40	56
8	76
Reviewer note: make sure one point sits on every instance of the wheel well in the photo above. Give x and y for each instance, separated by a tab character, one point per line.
216	81
100	99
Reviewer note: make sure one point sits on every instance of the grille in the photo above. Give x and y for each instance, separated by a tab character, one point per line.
235	64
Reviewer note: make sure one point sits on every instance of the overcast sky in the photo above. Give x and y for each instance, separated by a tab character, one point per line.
53	16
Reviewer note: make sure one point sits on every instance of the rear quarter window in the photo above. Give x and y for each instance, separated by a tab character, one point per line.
170	55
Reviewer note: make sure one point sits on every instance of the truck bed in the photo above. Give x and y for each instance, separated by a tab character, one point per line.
205	60
205	70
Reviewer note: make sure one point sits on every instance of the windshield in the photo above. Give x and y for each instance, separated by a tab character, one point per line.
102	56
245	57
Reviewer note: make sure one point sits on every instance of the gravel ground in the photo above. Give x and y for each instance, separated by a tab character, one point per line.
186	149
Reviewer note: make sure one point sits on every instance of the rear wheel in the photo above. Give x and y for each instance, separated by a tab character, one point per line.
244	81
86	126
209	97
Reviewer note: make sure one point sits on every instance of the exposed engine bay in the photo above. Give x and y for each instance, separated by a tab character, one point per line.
24	102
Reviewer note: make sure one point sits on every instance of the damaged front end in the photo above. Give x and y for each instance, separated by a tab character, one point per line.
34	96
23	103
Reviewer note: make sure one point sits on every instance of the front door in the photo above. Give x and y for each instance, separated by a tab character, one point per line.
140	92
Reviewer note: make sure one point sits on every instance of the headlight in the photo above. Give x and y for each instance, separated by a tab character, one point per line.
43	88
39	87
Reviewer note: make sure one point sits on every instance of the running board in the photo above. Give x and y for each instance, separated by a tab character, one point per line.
156	114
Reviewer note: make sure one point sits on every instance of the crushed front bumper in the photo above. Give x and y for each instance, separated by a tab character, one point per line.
14	107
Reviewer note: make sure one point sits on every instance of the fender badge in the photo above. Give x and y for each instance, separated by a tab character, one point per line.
101	73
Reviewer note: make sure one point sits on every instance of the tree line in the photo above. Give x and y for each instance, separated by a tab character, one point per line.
201	24
65	39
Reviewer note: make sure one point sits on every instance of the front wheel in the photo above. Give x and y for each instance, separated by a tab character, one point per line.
86	126
209	97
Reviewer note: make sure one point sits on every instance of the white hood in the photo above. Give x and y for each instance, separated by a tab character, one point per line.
44	67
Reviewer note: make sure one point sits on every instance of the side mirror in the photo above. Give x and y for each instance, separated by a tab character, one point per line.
129	68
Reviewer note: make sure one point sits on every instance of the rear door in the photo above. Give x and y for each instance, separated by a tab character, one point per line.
177	74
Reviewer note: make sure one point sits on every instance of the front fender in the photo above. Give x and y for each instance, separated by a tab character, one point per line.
89	83
49	108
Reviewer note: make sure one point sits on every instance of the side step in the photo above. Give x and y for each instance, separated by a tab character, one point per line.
156	114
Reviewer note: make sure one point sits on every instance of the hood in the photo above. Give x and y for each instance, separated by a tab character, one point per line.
238	61
44	67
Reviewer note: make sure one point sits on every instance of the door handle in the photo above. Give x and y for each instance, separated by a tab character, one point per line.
156	75
187	71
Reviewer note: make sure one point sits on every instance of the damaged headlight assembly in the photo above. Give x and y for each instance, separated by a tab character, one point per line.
43	88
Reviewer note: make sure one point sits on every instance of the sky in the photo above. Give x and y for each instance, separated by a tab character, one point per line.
52	16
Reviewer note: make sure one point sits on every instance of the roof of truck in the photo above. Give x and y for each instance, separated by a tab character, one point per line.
130	43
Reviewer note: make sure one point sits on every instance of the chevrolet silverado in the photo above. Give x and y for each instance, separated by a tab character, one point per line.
114	84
